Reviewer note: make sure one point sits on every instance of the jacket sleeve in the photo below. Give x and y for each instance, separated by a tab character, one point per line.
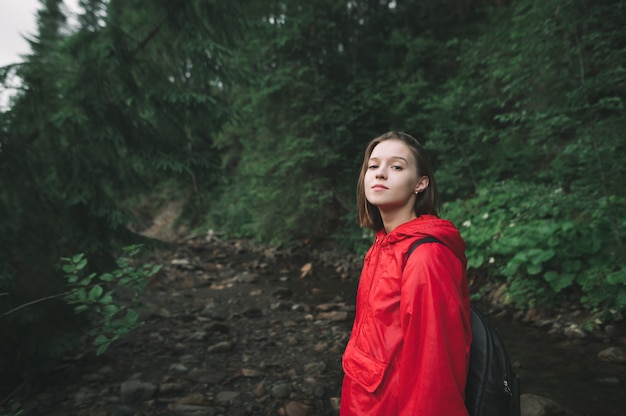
435	319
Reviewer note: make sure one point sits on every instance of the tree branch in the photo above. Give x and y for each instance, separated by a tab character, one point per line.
33	302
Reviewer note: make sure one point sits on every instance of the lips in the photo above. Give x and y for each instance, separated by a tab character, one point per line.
379	187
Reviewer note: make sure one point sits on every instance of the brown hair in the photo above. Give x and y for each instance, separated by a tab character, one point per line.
426	202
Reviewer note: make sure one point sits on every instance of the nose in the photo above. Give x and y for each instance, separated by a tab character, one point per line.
381	174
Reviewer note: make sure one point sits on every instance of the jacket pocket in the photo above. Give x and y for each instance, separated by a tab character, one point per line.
362	368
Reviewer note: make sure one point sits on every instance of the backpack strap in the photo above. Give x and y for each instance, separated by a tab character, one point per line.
416	244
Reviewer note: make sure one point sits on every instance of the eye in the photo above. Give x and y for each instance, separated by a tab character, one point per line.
397	167
372	166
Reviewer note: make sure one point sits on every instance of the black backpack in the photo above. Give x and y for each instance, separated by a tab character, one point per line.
492	388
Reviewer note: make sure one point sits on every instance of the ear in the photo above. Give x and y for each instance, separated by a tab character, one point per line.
422	184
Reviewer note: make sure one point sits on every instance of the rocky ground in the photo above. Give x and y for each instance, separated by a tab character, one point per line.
232	328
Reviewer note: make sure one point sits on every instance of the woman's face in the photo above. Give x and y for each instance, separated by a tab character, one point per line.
391	179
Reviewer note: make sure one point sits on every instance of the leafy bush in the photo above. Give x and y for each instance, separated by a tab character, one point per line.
545	243
48	330
95	297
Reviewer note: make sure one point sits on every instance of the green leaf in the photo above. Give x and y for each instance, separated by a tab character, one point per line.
106	299
81	264
475	261
107	277
131	318
533	269
81	308
617	278
111	309
101	339
558	281
95	292
81	294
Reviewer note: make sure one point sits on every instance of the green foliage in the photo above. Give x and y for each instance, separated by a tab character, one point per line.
328	77
106	111
95	295
544	242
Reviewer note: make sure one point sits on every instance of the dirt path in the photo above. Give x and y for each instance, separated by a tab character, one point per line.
231	329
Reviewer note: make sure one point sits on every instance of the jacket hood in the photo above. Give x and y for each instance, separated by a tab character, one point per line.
427	226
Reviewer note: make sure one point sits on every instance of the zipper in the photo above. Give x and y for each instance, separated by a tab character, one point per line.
507	388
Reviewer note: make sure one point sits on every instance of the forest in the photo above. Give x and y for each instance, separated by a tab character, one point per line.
257	113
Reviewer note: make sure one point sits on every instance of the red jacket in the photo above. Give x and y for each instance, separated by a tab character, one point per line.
409	349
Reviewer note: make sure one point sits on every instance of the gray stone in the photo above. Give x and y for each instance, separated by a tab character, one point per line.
168	388
534	405
133	391
315	368
177	368
223	346
280	391
226	397
297	409
334	316
613	355
193	410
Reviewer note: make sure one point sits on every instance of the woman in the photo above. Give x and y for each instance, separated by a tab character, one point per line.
409	349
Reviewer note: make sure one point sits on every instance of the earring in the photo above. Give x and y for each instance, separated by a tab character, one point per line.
417	192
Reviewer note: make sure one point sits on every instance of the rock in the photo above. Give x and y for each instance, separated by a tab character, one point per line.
84	396
613	355
245	277
574	332
194	410
313	389
334	403
616	329
280	391
177	368
199	336
260	390
169	388
133	391
246	372
334	316
226	397
534	405
281	306
321	346
223	346
315	368
327	307
206	376
297	409
291	341
160	312
609	381
300	307
210	311
180	262
195	399
252	313
120	410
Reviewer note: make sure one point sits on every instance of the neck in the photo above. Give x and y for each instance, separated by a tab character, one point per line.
393	219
